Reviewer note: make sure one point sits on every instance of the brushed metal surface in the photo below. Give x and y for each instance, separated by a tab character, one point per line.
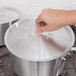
6	69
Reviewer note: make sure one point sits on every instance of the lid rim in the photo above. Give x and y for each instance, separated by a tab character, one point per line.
48	59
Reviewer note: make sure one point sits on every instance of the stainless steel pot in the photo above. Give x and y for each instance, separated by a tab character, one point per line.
37	55
34	68
7	16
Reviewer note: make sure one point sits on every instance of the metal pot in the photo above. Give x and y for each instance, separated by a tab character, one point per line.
34	68
37	55
7	16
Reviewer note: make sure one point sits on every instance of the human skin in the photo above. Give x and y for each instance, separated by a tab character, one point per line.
53	19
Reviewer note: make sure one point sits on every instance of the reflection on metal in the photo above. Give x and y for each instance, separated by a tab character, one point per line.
69	68
6	70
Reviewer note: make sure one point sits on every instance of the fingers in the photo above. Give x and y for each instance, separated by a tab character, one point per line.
41	29
40	18
41	22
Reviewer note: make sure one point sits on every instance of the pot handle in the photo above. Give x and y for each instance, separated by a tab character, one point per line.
61	61
16	21
11	23
60	65
73	49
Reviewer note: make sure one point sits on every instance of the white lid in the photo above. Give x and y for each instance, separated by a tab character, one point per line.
8	14
23	43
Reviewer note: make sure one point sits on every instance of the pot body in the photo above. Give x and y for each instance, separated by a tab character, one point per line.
24	67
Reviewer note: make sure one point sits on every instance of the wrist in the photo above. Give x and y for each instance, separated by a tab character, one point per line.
71	17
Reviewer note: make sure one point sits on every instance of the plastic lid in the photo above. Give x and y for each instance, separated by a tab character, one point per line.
8	14
23	43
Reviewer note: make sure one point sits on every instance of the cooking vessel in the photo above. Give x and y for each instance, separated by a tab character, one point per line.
37	55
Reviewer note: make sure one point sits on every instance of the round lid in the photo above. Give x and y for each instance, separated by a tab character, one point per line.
8	14
21	41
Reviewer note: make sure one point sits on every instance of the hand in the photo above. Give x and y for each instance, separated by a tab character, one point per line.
50	20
